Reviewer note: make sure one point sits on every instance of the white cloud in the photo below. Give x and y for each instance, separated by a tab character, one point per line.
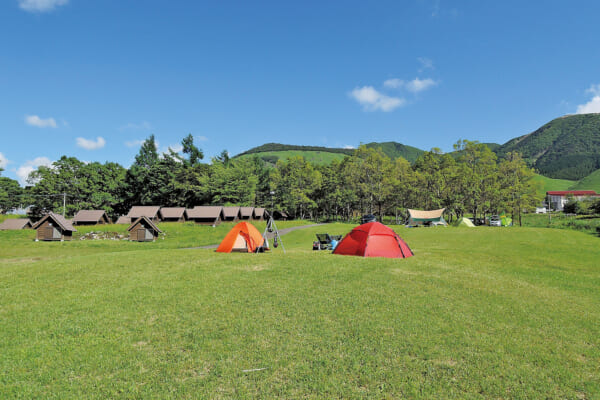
594	89
34	120
134	143
393	83
426	63
177	148
41	5
145	125
91	144
418	85
24	170
415	86
372	100
592	106
202	138
3	161
348	146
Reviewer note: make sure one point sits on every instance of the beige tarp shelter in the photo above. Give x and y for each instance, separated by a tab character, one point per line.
421	217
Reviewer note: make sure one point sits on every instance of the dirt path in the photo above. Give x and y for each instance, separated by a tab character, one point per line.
270	235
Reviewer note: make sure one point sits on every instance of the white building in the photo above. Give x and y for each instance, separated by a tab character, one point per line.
559	198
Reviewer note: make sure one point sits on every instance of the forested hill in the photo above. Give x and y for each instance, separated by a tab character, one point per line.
395	150
272	151
565	148
270	147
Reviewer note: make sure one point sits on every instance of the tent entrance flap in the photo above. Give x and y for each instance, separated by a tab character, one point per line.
240	243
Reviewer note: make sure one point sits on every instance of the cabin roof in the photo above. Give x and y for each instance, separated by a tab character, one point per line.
66	225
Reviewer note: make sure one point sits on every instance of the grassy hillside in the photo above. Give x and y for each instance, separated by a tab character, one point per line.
271	152
565	148
545	184
463	318
590	182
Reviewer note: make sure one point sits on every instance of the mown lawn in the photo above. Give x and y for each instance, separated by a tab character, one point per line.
477	313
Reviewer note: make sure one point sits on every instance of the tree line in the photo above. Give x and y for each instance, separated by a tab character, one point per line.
472	181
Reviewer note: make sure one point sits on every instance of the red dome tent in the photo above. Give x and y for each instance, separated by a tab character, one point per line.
373	239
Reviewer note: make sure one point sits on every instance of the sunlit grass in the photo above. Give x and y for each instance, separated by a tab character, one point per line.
476	313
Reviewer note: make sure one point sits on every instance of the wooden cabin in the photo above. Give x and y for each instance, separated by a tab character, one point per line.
91	217
246	213
260	214
231	214
172	214
123	219
16	224
53	227
280	215
205	215
143	230
150	212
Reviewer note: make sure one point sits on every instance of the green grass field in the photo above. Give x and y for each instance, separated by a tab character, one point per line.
476	313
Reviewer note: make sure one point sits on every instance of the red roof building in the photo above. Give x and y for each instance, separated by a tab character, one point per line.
558	198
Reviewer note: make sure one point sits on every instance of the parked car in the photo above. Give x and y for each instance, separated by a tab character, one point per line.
368	218
495	221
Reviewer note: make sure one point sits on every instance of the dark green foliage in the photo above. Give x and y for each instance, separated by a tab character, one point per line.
565	148
193	152
271	159
396	150
10	194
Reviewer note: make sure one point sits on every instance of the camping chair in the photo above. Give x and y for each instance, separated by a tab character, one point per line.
324	241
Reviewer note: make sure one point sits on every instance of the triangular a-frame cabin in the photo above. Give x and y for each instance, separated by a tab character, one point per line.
205	215
91	217
231	214
426	218
124	220
151	212
53	227
172	214
260	214
143	230
16	224
373	239
246	213
243	237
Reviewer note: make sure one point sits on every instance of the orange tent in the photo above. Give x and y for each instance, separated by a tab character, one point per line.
243	237
373	239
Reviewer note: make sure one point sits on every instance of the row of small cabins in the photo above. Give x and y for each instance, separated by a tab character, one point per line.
142	220
204	215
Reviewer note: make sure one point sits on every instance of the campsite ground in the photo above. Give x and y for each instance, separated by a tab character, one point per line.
482	312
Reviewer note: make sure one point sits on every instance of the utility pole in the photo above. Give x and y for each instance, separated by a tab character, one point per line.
64	204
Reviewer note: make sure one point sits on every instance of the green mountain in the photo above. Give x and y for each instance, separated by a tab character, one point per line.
271	152
565	148
395	150
590	182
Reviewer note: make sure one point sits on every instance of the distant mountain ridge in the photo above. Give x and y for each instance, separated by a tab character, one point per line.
565	148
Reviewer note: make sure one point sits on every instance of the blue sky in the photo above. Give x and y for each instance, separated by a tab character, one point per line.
93	78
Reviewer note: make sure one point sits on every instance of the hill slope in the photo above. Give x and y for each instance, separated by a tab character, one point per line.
271	152
590	182
565	148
